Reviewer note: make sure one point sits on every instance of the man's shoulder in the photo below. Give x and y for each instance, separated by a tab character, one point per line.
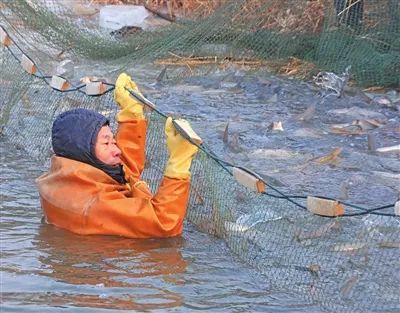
77	172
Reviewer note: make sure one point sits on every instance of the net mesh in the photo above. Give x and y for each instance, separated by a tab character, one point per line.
343	264
331	34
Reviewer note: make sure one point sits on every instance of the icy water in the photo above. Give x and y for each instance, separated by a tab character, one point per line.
297	159
45	269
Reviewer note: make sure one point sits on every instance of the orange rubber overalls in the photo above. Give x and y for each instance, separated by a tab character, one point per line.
85	200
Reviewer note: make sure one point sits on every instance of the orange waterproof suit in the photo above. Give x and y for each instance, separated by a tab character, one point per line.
85	200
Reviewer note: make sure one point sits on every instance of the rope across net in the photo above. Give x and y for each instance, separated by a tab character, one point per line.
346	263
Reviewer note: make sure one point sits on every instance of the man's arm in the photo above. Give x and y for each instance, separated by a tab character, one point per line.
131	139
161	215
131	135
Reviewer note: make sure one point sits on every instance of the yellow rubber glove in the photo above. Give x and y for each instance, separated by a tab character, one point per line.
130	107
181	152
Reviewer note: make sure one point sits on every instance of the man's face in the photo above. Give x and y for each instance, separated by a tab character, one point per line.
106	147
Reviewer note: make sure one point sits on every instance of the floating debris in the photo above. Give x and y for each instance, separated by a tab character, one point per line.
349	247
374	89
297	68
331	157
276	126
332	82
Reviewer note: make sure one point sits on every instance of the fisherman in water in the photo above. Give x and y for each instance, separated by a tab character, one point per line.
94	186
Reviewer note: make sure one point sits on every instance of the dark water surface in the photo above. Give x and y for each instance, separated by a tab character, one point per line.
45	269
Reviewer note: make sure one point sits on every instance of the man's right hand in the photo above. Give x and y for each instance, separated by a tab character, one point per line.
130	107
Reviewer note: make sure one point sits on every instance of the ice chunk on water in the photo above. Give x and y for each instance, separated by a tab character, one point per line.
114	17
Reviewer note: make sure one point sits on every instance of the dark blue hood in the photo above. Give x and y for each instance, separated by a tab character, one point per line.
74	136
